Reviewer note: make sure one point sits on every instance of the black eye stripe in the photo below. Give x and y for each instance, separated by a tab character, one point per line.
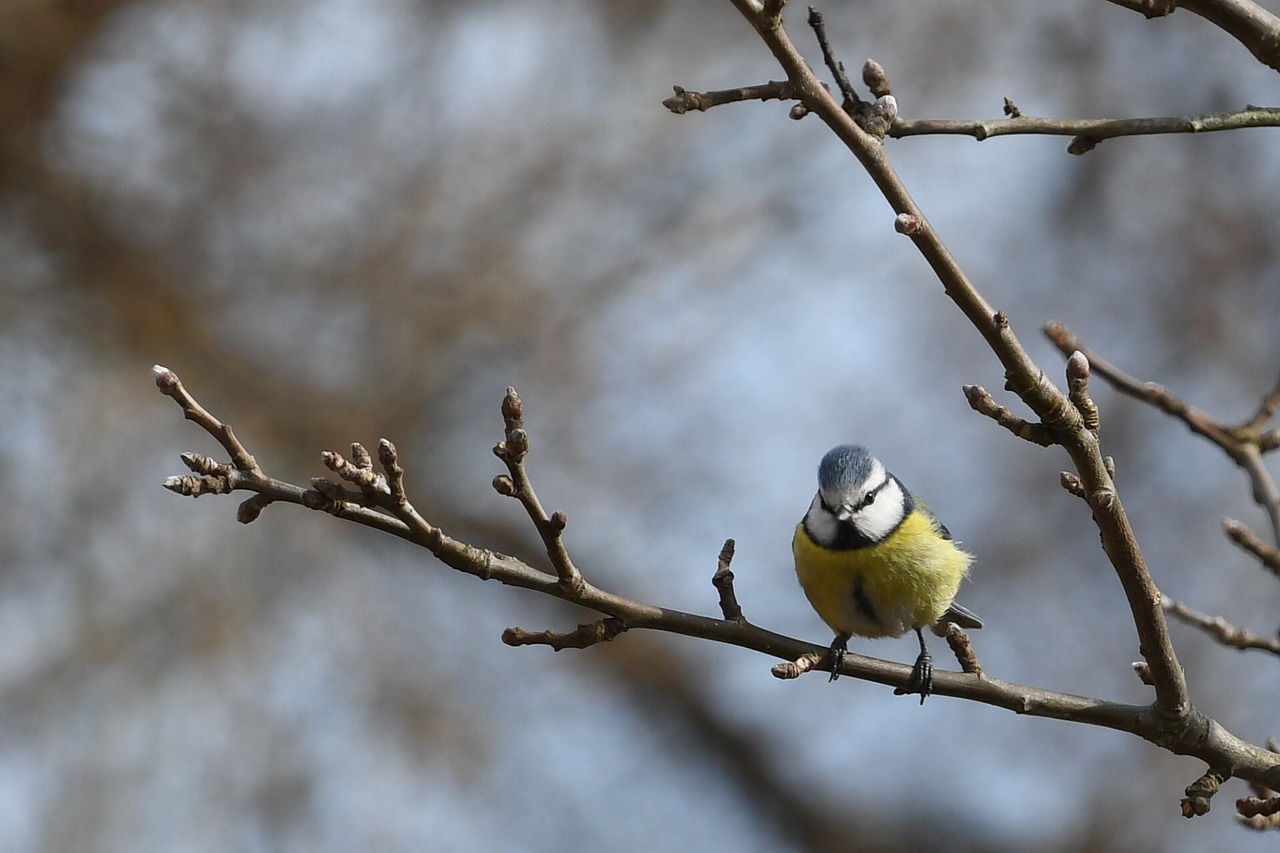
871	495
867	499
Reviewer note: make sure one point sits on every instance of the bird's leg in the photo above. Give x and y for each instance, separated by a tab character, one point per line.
921	680
839	646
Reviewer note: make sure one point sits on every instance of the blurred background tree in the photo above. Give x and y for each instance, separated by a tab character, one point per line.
342	220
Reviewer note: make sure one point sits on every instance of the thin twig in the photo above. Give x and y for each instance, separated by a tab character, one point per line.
1243	443
981	401
685	100
1087	132
585	636
1248	540
819	25
1220	629
512	451
1266	408
722	580
171	386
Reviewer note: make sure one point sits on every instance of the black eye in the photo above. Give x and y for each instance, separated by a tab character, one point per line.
869	499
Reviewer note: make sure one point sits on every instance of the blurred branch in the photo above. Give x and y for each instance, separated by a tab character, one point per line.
1220	629
1247	22
379	500
1258	813
38	43
1087	132
1248	540
1244	443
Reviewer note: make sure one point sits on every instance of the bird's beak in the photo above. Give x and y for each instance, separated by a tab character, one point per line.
844	512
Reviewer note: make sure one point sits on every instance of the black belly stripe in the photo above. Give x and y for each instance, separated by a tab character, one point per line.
862	602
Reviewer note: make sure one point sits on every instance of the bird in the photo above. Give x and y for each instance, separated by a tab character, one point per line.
874	561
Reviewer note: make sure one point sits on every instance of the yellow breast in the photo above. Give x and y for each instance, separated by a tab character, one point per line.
884	590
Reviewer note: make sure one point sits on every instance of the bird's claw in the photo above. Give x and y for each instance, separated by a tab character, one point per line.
838	648
921	679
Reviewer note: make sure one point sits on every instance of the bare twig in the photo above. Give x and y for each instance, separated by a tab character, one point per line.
1266	408
1243	443
1150	392
1220	629
586	635
684	100
171	386
1248	540
512	450
1086	133
984	404
819	25
722	580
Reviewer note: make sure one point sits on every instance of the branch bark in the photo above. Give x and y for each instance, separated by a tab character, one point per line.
380	501
1067	419
1088	132
1023	376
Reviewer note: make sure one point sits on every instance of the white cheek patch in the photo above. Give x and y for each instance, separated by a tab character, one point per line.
878	519
822	525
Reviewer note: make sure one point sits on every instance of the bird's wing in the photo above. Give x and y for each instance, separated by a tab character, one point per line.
962	616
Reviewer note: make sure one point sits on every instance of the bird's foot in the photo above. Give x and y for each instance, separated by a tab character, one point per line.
921	680
839	646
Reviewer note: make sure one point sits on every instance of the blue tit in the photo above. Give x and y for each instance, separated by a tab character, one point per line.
874	561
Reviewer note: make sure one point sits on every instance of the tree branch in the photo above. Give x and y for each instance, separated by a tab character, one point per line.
379	500
1249	541
1244	443
1220	629
1087	132
512	451
684	100
1069	419
1023	376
